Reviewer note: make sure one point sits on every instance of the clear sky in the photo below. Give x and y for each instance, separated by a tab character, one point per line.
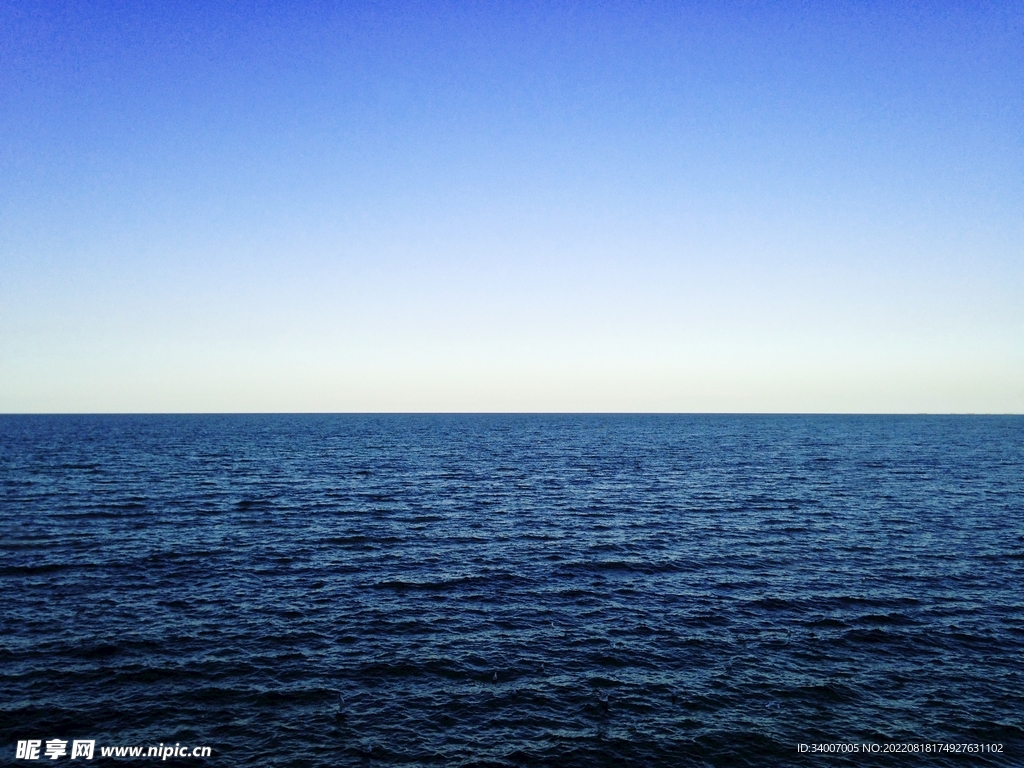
260	206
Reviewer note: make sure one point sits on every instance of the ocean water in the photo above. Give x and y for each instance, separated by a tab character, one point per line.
512	590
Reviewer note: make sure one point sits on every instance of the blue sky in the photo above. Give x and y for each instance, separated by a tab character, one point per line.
548	206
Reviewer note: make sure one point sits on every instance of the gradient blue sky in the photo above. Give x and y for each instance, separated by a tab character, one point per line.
525	206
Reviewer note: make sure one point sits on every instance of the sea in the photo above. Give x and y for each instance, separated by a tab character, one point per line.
512	590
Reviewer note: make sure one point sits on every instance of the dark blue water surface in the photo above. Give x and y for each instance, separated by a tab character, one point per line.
514	590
